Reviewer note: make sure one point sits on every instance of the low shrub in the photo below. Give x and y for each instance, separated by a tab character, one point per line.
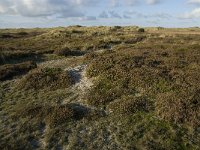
59	115
77	31
115	28
15	56
135	40
11	70
62	52
141	30
2	58
67	52
22	33
52	78
181	108
6	35
101	96
53	115
130	104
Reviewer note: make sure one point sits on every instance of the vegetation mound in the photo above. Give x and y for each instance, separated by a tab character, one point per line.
141	30
145	89
130	104
53	78
53	115
11	70
169	80
67	52
180	107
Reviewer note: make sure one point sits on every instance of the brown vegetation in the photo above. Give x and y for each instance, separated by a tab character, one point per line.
52	78
144	94
130	104
180	107
10	71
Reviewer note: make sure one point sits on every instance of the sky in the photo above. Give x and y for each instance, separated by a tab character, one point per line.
52	13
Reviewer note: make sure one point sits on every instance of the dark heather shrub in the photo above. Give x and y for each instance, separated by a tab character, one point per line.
9	71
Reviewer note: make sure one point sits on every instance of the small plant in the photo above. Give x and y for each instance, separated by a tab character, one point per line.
141	30
62	52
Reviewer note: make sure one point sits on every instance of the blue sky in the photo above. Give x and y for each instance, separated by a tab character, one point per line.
51	13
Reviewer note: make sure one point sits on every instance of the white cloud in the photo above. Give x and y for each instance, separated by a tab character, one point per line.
193	14
151	2
88	18
63	8
194	1
60	8
116	3
131	2
147	16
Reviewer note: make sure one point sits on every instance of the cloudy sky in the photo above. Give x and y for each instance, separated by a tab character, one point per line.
50	13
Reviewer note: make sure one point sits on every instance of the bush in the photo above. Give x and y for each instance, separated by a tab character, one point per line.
115	28
59	115
22	33
52	78
62	52
102	95
181	108
141	30
130	104
135	40
10	71
6	35
2	58
15	56
53	115
67	52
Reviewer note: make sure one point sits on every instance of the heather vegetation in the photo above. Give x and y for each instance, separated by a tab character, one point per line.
100	88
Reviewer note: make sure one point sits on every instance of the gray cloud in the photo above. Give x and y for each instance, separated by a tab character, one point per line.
146	16
35	8
114	14
62	8
131	2
116	3
152	2
103	15
88	18
126	16
194	1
